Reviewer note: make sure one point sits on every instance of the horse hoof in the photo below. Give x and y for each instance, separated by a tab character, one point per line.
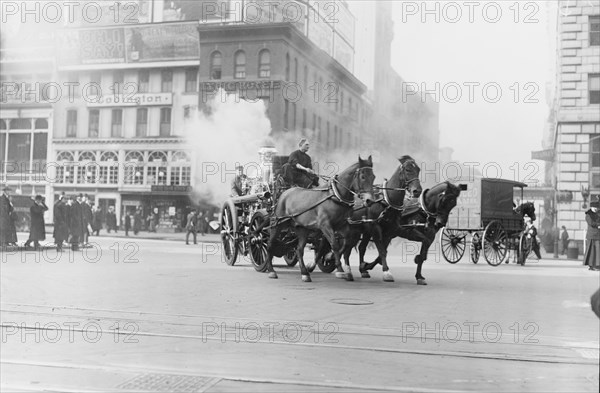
421	281
340	275
365	275
306	278
272	275
349	277
387	277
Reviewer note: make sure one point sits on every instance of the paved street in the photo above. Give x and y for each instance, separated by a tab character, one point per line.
138	314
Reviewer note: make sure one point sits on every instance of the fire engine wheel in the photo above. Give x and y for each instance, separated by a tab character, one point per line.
258	239
525	247
229	226
475	249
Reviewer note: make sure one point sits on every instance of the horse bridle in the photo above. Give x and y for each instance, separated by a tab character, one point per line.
336	192
406	182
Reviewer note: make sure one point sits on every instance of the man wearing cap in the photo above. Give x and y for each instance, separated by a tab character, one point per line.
76	222
37	229
237	184
61	222
5	214
592	251
301	164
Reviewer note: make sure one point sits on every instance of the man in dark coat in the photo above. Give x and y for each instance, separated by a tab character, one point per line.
5	213
37	229
137	221
88	217
111	220
61	222
301	164
97	222
592	251
564	239
191	227
76	223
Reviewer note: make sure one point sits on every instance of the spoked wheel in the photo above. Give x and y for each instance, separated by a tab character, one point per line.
475	248
453	244
229	226
495	243
327	263
525	247
291	258
258	237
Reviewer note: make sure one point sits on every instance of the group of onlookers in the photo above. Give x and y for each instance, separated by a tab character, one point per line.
196	222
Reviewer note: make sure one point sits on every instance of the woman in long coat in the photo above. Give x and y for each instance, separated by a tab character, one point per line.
37	229
592	253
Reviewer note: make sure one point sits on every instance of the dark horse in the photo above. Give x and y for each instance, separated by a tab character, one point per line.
420	221
321	209
368	221
526	209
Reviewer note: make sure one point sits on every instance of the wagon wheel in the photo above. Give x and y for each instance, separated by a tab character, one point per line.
258	239
525	247
229	227
291	258
326	263
453	244
495	243
475	249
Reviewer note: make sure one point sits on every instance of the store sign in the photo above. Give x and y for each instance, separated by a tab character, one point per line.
136	44
241	85
170	188
139	99
543	155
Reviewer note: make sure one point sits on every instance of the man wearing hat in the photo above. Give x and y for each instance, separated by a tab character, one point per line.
237	184
301	164
37	229
76	222
61	222
592	252
5	217
88	217
531	233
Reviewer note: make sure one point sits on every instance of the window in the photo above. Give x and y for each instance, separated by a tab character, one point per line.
166	81
141	128
94	123
594	88
109	168
264	64
595	161
118	81
143	81
71	123
165	121
215	65
595	30
191	80
41	124
117	123
287	67
286	114
240	65
134	168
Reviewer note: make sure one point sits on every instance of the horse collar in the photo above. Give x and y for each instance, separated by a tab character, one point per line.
423	206
337	194
387	200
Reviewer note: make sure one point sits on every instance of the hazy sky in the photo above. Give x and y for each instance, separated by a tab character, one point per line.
501	54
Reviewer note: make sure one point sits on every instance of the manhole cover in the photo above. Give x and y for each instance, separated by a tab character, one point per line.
352	302
165	383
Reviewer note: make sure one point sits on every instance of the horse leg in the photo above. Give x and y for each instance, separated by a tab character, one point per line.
422	257
362	249
273	233
302	240
382	250
329	234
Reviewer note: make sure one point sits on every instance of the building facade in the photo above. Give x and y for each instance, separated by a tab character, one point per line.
576	161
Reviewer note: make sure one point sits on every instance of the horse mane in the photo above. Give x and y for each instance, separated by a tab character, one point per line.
405	158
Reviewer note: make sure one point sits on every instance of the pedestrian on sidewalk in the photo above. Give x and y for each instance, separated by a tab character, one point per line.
111	220
37	229
531	232
127	220
592	252
137	221
191	226
76	222
61	222
564	238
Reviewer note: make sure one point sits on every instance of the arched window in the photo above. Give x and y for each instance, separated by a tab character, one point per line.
108	156
64	156
215	65
20	124
41	124
134	156
157	156
240	65
180	156
264	64
87	156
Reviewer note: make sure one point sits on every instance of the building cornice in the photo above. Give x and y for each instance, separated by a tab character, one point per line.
131	141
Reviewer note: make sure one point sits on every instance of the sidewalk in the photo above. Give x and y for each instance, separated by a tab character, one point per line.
208	238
